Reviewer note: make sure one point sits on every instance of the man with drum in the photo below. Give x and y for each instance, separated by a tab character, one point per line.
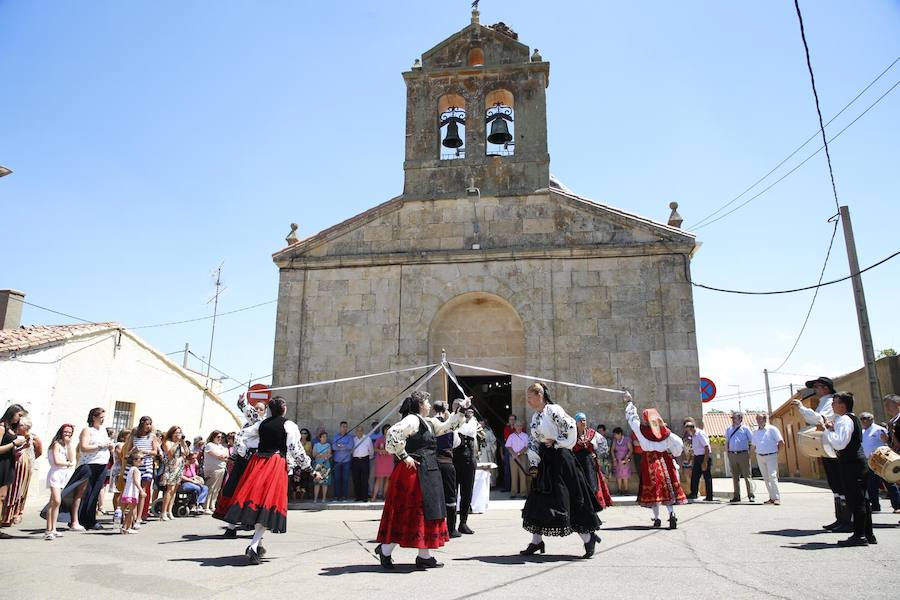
874	437
824	391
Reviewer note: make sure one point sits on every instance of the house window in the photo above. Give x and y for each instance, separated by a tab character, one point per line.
123	416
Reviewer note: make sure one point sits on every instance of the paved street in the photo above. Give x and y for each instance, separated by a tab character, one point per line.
719	550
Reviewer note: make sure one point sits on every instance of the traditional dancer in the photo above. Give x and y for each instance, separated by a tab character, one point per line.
445	445
260	500
587	448
245	444
844	434
465	460
415	510
560	501
659	474
824	391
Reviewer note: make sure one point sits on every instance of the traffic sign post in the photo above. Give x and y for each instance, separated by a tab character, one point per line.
707	389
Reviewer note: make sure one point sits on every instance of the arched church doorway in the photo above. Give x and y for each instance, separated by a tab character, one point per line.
484	330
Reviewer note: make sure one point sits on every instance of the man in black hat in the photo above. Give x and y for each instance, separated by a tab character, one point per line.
445	445
823	387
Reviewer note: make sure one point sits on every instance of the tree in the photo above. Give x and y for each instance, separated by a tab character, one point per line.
886	352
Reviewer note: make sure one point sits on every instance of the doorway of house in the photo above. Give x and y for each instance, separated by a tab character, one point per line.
491	398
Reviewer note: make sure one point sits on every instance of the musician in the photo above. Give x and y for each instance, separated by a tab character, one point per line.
445	445
465	459
891	404
874	437
823	387
844	434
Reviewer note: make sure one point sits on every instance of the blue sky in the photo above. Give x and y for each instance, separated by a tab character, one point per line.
150	141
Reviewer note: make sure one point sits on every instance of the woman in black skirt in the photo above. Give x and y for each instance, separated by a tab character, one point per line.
560	501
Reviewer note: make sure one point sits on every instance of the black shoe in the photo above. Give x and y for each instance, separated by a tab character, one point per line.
752	498
844	527
709	499
692	497
261	551
533	549
589	547
657	523
673	521
251	555
455	534
735	499
428	563
871	539
464	528
230	534
386	561
854	541
832	526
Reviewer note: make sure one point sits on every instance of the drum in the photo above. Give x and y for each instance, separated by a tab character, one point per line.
809	442
885	463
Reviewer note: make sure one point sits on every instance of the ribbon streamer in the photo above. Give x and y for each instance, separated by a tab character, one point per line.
532	377
341	380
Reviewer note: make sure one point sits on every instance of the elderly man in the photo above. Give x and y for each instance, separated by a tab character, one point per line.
873	437
768	442
823	387
702	461
737	438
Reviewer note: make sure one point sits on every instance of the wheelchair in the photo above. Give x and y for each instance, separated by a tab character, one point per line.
185	502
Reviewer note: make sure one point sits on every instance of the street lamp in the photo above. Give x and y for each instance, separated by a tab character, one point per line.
4	171
740	410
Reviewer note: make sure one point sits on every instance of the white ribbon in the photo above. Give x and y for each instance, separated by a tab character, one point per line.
315	383
533	378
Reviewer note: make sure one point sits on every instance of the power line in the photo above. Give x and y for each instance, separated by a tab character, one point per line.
702	222
244	384
56	312
230	312
64	356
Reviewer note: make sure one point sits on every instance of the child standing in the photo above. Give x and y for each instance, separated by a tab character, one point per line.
133	491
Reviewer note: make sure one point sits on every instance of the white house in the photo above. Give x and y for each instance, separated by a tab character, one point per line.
60	372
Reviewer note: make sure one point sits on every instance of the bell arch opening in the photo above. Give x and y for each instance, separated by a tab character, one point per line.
452	127
499	123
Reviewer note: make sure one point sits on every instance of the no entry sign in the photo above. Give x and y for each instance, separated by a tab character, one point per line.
707	389
258	392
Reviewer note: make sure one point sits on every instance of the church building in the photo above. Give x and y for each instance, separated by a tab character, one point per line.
487	256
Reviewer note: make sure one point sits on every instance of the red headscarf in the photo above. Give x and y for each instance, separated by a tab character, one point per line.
652	425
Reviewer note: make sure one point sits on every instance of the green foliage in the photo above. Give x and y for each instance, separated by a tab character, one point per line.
886	352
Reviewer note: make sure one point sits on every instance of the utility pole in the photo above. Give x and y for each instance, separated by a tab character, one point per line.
862	316
187	350
768	392
212	337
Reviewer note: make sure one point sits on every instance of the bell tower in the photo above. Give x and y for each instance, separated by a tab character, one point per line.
476	113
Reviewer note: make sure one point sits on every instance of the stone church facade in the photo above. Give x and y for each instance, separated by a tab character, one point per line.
488	257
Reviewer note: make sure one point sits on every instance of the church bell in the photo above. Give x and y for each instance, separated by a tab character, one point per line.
499	132
452	139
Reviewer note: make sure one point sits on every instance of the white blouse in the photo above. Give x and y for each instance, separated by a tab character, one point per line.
395	441
672	443
553	424
296	458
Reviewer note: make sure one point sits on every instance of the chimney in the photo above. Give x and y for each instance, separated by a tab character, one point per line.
11	308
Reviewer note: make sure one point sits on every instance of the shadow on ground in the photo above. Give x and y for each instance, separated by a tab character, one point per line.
397	570
518	559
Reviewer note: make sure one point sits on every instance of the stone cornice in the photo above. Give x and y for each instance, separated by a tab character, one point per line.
426	257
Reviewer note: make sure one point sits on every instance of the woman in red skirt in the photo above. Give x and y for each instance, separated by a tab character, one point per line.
415	513
260	500
586	448
659	473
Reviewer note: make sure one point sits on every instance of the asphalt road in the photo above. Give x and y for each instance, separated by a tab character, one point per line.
718	551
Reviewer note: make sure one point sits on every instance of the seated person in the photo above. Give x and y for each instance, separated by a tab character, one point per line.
192	482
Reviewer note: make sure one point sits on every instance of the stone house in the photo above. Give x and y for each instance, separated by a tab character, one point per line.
486	255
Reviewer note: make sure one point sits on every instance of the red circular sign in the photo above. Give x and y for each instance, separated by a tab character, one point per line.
707	389
259	392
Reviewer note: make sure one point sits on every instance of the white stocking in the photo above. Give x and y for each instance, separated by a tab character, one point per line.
536	538
671	509
386	549
585	537
230	526
655	509
257	536
424	553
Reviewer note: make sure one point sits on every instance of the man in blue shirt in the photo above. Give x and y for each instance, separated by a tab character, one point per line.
342	451
737	438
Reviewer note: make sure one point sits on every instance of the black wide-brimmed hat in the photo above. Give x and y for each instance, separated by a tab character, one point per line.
826	381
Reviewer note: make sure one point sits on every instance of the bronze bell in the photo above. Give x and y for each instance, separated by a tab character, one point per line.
499	132
452	139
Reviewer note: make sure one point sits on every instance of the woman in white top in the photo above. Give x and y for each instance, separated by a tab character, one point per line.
79	498
62	458
560	501
215	457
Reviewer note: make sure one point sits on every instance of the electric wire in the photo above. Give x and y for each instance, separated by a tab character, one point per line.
701	223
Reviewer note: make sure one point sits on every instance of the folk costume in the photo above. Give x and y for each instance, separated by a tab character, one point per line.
560	501
824	411
246	443
465	460
587	450
445	445
846	440
415	508
659	474
260	499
